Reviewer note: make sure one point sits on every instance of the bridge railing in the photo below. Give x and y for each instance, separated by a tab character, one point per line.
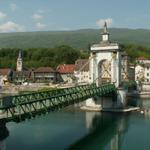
23	106
12	101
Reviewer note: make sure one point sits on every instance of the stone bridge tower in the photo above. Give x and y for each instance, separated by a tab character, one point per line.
105	60
106	66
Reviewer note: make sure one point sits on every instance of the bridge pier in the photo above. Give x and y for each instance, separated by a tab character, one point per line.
91	105
121	98
113	102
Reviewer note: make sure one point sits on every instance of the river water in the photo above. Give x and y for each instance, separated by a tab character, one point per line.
81	130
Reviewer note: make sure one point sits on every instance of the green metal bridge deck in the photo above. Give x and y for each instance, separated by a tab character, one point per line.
19	107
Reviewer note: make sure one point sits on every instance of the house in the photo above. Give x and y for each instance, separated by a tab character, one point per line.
142	73
66	72
142	70
44	74
6	75
81	71
20	77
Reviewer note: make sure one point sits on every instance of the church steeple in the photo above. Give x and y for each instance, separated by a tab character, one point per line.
19	62
105	33
20	55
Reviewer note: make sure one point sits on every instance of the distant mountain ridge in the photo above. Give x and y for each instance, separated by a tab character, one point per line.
78	39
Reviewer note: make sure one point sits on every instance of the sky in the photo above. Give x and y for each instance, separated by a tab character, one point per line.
49	15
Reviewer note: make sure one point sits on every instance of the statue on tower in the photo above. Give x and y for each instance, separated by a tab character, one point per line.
105	33
105	27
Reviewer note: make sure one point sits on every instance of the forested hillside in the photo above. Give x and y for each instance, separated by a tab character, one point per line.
45	48
77	39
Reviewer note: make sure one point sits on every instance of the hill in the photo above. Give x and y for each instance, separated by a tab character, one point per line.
77	39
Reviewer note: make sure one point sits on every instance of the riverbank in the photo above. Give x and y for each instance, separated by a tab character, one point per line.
17	89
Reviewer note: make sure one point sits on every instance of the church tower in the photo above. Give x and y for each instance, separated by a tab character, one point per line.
19	62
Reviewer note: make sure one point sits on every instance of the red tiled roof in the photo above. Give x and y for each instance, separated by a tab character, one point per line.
5	71
66	68
44	69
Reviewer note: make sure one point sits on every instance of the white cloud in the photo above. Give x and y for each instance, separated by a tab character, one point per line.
40	25
2	15
11	27
100	22
13	6
37	16
41	11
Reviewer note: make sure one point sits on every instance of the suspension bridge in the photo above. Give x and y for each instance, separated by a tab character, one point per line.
20	107
105	69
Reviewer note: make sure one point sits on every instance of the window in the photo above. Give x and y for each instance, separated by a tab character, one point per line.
147	74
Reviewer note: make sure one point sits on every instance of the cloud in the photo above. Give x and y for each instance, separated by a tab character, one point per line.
100	22
2	15
37	16
40	25
13	6
11	27
41	11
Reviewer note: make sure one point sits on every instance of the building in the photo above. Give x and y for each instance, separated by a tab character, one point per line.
81	71
66	72
127	69
44	74
6	75
22	74
20	77
19	66
142	70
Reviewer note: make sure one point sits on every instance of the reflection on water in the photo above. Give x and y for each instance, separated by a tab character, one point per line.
4	133
145	108
106	128
80	130
2	145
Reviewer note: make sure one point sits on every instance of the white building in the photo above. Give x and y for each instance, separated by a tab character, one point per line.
142	70
43	74
5	76
66	72
81	71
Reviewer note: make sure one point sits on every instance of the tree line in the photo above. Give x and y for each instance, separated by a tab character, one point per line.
37	57
135	51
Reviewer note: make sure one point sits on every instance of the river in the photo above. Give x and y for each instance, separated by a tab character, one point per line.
81	130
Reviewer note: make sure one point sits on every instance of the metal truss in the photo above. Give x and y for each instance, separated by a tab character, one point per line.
21	107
